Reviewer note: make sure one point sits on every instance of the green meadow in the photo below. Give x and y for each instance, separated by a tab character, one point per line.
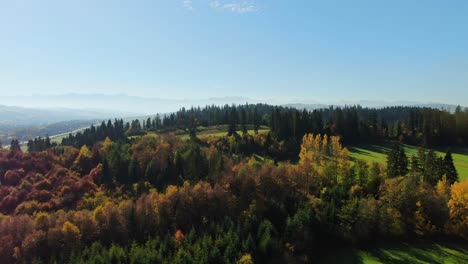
378	153
216	131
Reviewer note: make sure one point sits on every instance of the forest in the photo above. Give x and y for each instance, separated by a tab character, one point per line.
138	192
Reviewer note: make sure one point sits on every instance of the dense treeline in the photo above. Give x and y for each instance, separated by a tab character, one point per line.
40	144
161	199
413	125
420	126
113	130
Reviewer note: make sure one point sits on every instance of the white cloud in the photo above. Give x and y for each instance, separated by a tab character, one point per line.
188	4
238	7
231	6
215	4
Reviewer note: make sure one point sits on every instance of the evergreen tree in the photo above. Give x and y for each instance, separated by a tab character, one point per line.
449	167
430	168
243	121
232	129
106	173
397	162
15	146
133	171
47	142
402	162
256	120
151	172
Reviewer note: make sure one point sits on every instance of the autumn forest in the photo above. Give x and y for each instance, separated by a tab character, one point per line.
272	185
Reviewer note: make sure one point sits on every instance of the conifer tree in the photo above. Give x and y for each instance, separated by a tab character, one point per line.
397	162
449	167
15	146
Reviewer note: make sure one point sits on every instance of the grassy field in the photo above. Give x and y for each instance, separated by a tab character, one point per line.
58	139
216	131
378	153
402	253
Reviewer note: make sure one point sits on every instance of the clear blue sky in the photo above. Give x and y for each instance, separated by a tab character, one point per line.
318	50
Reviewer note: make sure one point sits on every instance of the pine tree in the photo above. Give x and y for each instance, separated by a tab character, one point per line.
133	171
106	173
397	162
151	171
430	168
232	122
256	121
449	167
15	146
47	142
402	162
243	121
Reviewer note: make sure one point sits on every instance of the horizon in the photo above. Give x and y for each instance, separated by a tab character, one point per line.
312	51
130	105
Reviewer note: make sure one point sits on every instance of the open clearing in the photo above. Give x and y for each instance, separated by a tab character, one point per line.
378	153
215	131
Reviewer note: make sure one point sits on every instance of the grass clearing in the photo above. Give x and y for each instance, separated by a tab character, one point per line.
217	131
378	153
402	253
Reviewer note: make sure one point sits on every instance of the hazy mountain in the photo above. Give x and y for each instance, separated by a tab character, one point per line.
373	104
308	107
120	102
60	107
14	116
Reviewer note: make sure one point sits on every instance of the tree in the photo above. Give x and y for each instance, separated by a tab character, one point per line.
450	171
71	237
82	163
15	146
458	206
232	129
245	259
397	162
256	120
179	237
151	171
133	171
432	168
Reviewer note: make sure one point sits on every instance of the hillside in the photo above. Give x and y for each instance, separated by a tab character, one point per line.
378	153
248	184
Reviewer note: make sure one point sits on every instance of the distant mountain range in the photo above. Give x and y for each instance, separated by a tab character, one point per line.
14	116
104	105
374	104
115	103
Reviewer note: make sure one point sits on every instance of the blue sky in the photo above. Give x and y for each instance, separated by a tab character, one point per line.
303	50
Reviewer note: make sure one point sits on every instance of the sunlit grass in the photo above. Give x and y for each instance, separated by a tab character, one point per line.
378	153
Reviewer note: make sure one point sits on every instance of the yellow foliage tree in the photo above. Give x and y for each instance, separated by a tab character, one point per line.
106	144
71	236
245	259
458	206
41	221
323	155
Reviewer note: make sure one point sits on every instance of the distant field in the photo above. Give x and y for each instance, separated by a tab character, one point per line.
58	139
216	131
402	253
378	153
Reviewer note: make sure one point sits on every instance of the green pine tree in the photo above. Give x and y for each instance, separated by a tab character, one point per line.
449	167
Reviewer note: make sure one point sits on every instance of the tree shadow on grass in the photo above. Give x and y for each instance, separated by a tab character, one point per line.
429	253
425	253
343	256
